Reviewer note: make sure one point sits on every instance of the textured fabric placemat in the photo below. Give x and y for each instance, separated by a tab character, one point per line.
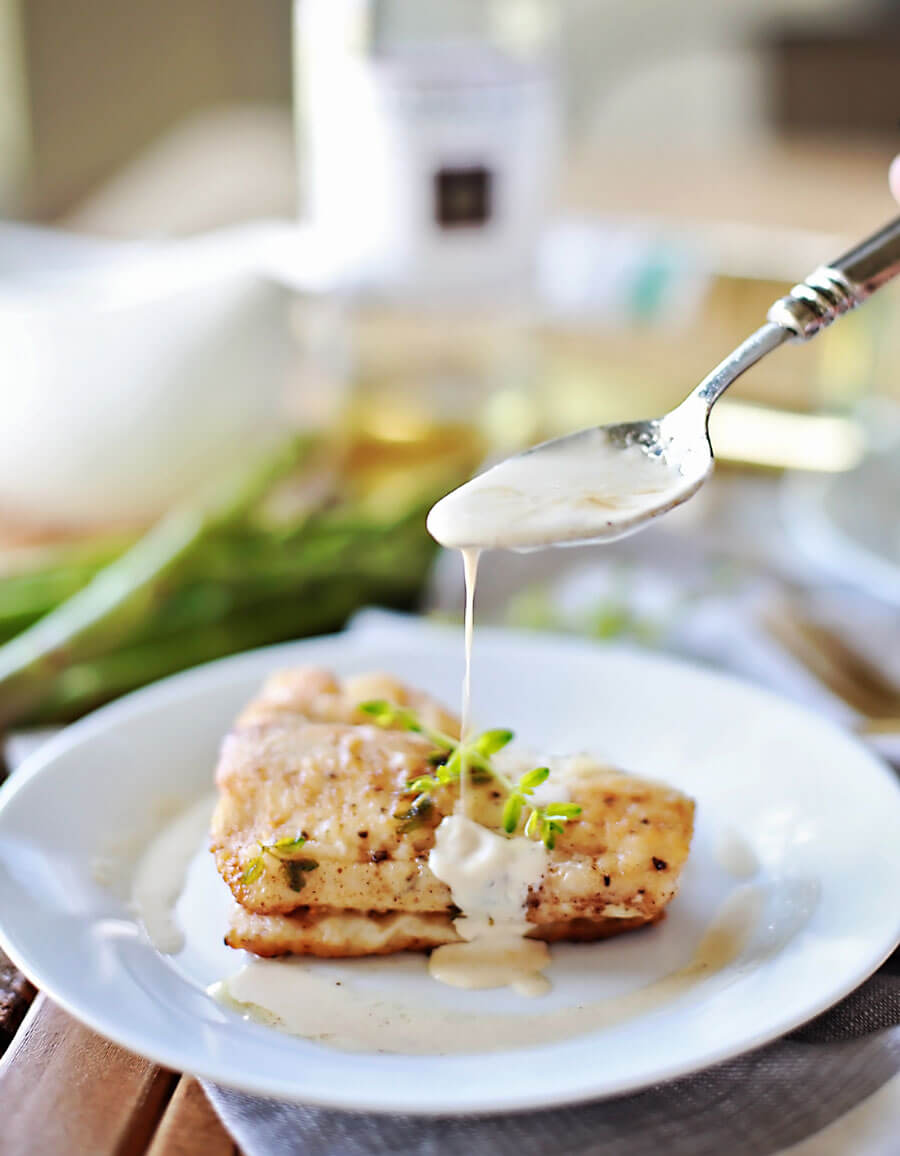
755	1105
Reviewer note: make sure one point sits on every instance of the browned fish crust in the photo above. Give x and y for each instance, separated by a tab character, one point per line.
302	759
345	934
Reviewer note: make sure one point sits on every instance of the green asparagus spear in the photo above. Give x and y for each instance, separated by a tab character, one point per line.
122	594
86	685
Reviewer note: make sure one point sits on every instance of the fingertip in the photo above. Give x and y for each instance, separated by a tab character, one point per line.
894	177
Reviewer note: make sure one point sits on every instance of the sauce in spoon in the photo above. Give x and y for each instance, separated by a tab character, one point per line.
578	489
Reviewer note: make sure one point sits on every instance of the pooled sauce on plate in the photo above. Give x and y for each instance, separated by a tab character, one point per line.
160	873
489	876
585	489
304	1000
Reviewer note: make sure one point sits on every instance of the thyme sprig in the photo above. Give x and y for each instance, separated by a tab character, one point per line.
283	849
451	756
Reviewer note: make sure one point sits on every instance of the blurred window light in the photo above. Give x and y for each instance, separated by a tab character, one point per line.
759	436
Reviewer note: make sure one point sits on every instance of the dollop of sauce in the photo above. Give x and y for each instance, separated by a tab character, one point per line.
489	877
306	1000
160	874
585	488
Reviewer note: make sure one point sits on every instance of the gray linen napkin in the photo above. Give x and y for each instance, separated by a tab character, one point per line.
752	1106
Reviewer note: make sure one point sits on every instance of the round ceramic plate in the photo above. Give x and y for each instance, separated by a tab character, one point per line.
820	813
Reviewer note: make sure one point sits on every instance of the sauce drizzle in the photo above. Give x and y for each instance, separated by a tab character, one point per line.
304	999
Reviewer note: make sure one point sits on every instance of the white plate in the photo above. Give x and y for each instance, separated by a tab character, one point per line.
821	813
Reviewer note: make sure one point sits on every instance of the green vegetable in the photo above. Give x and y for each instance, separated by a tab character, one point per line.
386	714
120	596
512	813
490	742
533	779
282	849
296	870
543	823
252	870
415	814
273	554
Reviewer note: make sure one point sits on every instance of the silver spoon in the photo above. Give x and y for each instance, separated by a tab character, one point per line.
609	481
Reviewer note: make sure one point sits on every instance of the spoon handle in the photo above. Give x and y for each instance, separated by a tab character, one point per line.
834	289
826	294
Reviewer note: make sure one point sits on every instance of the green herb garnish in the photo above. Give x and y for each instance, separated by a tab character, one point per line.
295	871
415	814
449	759
282	849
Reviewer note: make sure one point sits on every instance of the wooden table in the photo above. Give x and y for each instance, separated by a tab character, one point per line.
66	1090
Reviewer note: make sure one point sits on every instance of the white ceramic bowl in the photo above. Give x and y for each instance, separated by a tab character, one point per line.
129	373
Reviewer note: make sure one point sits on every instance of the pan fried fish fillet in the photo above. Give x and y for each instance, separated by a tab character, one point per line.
303	759
339	934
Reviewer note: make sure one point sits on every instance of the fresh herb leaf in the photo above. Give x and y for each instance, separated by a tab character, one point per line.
448	760
490	742
533	779
415	814
422	784
512	812
545	823
386	714
283	848
296	869
562	810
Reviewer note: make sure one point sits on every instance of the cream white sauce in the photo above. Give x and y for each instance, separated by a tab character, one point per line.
160	874
585	489
470	568
489	877
307	1000
493	960
735	855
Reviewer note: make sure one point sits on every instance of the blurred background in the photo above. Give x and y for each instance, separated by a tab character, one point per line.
273	277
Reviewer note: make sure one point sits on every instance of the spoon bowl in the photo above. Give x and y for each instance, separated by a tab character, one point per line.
603	483
592	486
